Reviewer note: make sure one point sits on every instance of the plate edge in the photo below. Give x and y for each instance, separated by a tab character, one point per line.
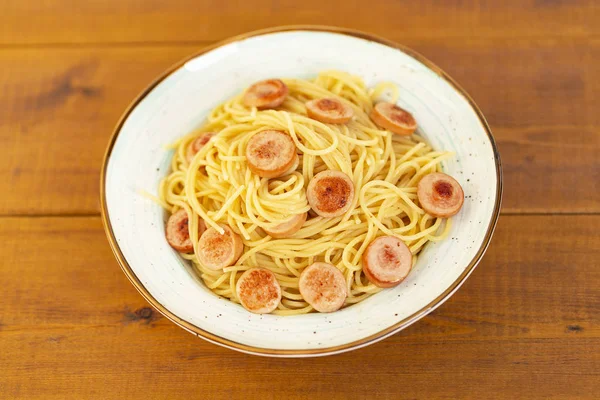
309	352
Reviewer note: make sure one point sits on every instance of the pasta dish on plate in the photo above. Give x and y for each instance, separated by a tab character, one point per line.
306	195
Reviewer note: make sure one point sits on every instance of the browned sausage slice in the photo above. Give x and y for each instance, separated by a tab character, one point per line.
216	251
266	94
387	261
323	286
393	118
258	290
197	144
178	234
330	193
330	111
287	228
440	195
270	153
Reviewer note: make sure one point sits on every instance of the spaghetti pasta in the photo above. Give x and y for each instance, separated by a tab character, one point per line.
218	187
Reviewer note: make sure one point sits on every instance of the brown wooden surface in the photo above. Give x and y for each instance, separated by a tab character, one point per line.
143	21
525	325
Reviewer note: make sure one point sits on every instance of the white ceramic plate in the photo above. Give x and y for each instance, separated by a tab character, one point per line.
180	100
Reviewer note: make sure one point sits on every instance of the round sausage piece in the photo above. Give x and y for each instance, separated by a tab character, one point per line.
440	195
323	286
217	251
393	118
287	228
178	234
270	154
258	290
265	94
329	111
387	261
330	193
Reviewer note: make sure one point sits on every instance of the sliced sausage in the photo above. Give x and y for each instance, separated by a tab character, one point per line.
330	111
178	233
266	94
387	261
270	153
197	144
330	193
217	251
323	286
258	290
440	195
287	228
393	118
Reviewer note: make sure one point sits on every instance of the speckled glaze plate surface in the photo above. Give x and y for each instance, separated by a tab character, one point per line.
177	102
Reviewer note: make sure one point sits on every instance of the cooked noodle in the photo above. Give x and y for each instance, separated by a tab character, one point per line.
219	188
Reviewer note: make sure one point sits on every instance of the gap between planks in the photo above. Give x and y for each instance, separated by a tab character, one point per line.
502	214
203	43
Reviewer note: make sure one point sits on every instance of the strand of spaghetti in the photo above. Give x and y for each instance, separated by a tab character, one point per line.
313	139
228	203
193	201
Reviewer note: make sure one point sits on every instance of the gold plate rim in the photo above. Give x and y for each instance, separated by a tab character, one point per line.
305	352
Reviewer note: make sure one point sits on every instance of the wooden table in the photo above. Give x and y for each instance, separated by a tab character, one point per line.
525	325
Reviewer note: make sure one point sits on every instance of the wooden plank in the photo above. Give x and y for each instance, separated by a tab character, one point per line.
525	325
57	21
59	107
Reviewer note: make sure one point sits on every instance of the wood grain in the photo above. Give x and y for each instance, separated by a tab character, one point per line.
525	325
59	110
59	21
60	106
